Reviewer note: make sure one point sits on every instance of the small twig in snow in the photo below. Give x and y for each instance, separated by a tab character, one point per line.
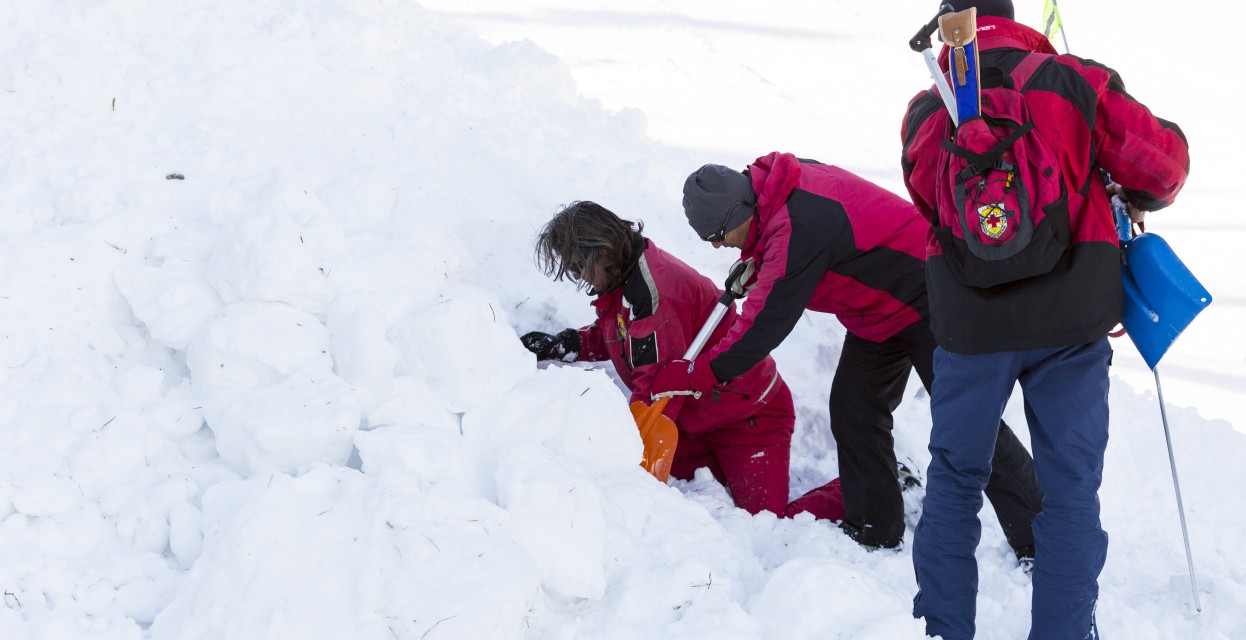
430	629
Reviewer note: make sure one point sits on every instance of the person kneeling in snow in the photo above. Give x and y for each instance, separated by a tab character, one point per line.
650	306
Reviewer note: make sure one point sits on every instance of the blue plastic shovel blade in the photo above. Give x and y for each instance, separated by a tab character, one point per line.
1162	297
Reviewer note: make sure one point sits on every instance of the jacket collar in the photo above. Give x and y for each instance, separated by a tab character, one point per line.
774	176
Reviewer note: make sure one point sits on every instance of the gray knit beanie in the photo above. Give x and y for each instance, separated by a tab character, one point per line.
717	199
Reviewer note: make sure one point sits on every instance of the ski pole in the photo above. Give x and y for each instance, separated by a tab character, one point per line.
1176	485
921	43
1052	19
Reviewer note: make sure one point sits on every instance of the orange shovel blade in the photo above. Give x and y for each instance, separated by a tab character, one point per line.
659	435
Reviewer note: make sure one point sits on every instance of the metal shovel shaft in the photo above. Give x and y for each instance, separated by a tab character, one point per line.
945	90
708	328
1176	485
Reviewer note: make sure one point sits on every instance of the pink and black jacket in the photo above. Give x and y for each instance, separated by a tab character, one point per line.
826	240
651	319
1084	114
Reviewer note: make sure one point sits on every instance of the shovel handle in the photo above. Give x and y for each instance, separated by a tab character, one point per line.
1124	228
922	39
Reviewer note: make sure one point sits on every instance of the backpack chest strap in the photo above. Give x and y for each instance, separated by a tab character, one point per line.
993	158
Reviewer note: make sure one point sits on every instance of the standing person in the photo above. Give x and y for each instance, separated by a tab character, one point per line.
827	240
649	308
1047	331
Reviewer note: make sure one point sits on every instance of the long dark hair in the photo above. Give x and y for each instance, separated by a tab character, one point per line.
583	235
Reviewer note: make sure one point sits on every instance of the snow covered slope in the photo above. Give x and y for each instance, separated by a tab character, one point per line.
262	265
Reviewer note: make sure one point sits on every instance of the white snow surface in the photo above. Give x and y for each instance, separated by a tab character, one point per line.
282	396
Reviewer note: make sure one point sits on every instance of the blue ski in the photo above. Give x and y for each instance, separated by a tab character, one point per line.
958	31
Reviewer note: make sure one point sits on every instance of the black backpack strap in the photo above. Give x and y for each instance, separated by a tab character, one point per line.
991	159
1025	70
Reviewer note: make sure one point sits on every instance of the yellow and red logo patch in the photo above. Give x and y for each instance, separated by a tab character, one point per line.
993	220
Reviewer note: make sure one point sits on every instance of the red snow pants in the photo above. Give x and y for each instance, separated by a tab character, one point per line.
750	457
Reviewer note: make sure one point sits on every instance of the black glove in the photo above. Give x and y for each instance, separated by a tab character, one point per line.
564	346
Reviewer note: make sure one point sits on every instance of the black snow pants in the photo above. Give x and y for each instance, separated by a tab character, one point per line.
868	386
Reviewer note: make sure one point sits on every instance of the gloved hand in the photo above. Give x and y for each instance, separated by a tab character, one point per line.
564	346
684	378
743	276
1137	215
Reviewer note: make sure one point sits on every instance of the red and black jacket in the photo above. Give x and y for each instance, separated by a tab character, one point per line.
1084	114
651	319
826	240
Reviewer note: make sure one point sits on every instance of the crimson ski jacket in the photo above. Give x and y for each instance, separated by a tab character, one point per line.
651	319
826	240
1082	111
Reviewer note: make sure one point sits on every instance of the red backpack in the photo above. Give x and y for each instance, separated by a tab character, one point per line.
1003	205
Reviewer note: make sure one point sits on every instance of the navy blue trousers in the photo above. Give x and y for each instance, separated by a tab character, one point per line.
1066	405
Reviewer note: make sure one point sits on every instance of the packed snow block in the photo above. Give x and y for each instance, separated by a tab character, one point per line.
251	344
43	492
55	284
397	275
173	301
558	513
75	535
275	250
339	554
676	586
178	414
269	394
139	385
113	455
411	402
427	456
289	426
362	355
364	197
185	533
577	413
815	598
464	348
701	604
